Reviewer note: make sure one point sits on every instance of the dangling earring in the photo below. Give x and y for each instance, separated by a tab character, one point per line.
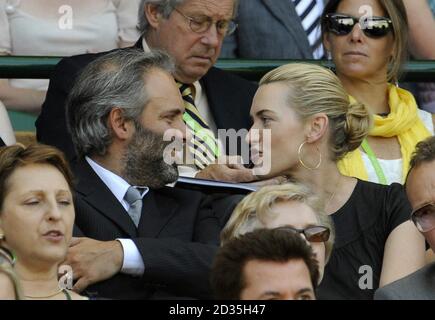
302	162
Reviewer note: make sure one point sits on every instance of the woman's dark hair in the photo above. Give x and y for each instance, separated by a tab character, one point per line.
277	245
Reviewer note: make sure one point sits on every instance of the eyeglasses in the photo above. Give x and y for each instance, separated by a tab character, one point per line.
373	27
424	217
312	234
203	23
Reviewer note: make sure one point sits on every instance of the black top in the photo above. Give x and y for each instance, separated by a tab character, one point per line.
2	144
362	226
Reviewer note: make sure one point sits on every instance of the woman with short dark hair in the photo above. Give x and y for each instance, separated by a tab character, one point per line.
37	217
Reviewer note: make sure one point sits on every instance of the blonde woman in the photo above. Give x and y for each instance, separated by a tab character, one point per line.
368	42
291	205
312	126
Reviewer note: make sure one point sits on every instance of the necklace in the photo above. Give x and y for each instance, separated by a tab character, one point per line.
50	295
333	194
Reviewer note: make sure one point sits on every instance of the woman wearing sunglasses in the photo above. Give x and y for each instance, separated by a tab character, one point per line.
291	206
303	119
368	41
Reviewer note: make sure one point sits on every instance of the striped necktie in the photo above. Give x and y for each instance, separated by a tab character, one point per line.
203	146
310	12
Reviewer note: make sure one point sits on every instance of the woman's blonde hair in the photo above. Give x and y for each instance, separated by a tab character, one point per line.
255	211
314	89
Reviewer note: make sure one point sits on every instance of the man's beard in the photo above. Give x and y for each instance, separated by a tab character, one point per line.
144	162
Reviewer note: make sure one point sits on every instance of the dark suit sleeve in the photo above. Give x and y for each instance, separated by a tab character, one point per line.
229	47
179	267
51	125
77	232
385	294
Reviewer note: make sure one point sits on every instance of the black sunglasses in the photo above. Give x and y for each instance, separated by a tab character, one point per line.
373	27
312	234
424	217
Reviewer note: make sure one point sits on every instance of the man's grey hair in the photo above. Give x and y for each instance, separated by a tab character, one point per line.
165	7
115	80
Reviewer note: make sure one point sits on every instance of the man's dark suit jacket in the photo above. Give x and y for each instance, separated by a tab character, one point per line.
229	99
178	236
267	29
419	285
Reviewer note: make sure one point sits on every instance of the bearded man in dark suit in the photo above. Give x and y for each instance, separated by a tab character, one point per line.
136	237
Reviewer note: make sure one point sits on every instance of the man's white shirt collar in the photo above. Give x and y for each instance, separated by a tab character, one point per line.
117	185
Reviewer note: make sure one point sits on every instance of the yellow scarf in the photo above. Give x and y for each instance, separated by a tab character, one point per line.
403	122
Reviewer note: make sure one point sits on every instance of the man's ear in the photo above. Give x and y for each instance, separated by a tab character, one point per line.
121	128
153	15
317	126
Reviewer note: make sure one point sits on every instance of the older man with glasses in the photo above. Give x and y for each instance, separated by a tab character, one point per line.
420	188
192	32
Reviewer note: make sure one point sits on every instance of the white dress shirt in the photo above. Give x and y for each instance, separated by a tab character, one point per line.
133	263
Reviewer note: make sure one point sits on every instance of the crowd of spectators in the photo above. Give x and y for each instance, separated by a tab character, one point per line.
339	162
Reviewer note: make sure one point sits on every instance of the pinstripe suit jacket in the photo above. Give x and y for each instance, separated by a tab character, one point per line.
267	29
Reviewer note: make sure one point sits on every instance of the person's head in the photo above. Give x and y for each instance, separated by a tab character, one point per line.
36	205
420	188
9	287
266	264
121	106
373	49
183	28
291	205
307	103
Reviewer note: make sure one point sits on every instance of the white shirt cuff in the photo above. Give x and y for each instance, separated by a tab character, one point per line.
133	262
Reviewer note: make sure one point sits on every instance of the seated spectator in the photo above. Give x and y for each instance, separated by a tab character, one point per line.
289	205
213	99
275	264
36	217
9	288
59	28
308	103
368	63
420	187
139	239
7	136
279	29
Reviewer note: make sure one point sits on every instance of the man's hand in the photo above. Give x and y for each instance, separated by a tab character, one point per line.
229	169
93	261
